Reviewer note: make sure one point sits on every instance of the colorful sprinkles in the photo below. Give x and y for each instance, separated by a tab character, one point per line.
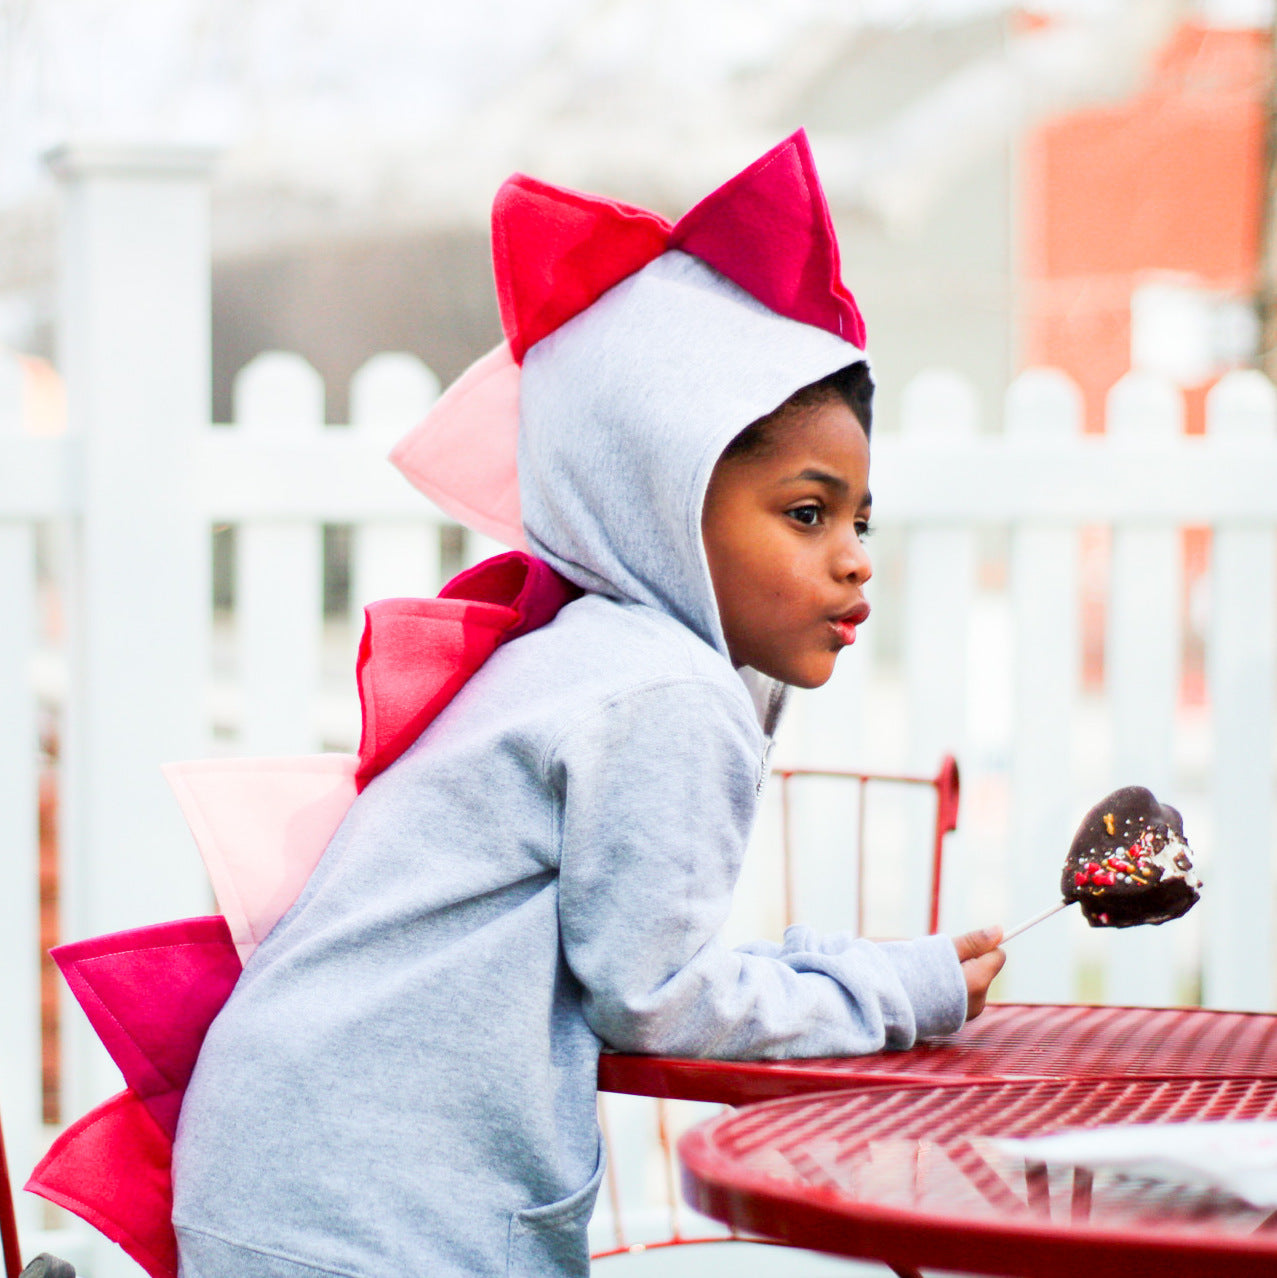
1128	864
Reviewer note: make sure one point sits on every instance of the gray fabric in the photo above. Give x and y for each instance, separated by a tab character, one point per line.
403	1081
624	411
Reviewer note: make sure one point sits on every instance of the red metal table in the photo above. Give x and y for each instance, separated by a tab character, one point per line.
1009	1041
907	1175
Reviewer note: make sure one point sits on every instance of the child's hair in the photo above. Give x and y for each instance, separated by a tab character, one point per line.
853	385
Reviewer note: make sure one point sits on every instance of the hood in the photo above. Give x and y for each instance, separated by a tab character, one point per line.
624	410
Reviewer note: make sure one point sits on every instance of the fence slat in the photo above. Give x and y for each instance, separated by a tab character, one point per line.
939	414
35	480
1144	643
19	850
389	395
279	604
1042	405
1237	902
134	353
1085	481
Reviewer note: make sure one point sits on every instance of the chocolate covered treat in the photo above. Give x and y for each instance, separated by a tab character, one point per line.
1129	863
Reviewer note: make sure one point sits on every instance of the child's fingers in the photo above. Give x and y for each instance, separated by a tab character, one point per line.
981	971
973	944
978	974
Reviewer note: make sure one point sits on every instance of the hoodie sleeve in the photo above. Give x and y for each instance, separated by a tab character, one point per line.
658	790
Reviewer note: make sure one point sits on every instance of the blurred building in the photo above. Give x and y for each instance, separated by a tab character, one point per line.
927	227
1142	222
1008	191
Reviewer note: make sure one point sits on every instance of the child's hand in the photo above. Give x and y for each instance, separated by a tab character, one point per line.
981	961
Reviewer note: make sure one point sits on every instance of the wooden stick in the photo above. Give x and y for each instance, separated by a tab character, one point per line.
1037	918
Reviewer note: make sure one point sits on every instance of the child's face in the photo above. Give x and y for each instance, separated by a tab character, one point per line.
782	528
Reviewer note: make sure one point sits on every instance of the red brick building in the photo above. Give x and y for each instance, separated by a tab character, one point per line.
1168	181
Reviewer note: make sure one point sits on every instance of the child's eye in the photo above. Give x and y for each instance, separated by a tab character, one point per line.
808	515
864	529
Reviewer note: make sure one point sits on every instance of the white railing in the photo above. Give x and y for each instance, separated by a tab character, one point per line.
974	648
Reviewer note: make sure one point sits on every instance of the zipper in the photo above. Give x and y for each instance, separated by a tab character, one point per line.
763	766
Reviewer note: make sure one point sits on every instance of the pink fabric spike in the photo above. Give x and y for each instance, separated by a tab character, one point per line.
416	653
555	251
113	1169
150	994
261	826
464	454
768	229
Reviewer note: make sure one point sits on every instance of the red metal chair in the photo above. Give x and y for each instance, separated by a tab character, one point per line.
613	1073
44	1265
8	1221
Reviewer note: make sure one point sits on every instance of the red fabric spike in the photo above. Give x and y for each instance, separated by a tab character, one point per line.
414	656
526	584
417	653
151	993
556	251
768	229
113	1169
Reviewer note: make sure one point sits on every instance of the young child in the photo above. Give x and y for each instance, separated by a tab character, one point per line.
403	1080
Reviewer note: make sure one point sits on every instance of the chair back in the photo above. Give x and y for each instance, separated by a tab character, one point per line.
8	1218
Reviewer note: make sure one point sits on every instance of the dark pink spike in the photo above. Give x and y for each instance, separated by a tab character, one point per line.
556	251
768	229
150	994
113	1169
516	580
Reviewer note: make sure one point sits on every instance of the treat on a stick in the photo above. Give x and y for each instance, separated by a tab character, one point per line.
1129	863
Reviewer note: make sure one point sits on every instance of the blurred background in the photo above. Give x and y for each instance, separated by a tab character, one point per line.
1056	219
1002	175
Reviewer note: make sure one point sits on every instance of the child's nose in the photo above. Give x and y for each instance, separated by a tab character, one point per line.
853	560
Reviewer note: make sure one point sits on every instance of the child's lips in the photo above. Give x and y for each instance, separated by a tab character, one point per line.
845	626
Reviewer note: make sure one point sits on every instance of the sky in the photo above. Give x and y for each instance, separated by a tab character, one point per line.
270	76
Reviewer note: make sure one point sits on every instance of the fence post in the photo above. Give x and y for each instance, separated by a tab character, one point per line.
19	851
388	396
133	348
1238	899
938	411
1043	407
1143	660
279	596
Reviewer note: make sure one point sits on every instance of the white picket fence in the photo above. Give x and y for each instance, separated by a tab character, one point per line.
958	658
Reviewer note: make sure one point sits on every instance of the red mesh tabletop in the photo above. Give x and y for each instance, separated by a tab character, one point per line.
1009	1041
908	1175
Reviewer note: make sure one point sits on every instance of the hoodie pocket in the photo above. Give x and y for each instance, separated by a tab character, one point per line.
552	1239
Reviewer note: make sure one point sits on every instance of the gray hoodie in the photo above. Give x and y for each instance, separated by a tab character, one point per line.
403	1081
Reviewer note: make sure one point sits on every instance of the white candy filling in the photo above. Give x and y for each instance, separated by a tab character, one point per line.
1164	858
